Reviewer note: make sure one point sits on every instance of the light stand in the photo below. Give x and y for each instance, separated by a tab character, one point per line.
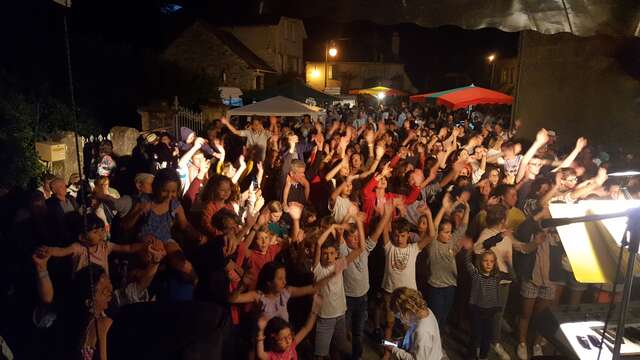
633	228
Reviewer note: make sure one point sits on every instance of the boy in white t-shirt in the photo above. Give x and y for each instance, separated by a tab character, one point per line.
356	276
331	318
400	263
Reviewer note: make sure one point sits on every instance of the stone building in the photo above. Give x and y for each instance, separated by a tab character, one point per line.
278	40
343	76
218	53
505	75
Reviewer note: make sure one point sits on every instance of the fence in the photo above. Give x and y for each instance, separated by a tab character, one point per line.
195	121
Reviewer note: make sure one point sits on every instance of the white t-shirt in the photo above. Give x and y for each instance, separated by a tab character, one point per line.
356	275
334	302
400	267
340	208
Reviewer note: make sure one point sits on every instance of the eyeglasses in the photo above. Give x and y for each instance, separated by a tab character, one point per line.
535	164
572	179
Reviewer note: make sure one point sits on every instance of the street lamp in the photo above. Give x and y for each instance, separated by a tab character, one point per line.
491	59
329	50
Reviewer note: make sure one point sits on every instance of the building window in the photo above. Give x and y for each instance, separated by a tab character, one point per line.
292	64
330	72
292	30
259	82
223	77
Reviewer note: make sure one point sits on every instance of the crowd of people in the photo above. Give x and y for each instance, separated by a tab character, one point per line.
287	238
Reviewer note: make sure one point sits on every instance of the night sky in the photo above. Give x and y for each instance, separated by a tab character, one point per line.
113	40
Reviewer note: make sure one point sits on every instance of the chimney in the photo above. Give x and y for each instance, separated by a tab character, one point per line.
395	45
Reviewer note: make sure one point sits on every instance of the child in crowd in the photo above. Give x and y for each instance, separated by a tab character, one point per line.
331	324
272	292
157	214
442	260
276	339
400	262
91	247
485	298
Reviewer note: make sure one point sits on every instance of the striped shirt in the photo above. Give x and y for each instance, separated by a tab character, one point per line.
484	289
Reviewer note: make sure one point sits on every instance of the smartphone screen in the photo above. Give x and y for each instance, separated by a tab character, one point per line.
389	343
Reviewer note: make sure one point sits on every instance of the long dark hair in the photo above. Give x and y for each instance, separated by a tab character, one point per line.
162	177
274	326
209	191
267	275
77	308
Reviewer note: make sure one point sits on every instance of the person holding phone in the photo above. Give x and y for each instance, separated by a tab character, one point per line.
422	339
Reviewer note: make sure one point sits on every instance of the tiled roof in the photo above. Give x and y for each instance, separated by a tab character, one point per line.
238	48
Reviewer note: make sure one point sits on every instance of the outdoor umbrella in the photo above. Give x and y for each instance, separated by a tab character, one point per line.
465	96
277	106
376	90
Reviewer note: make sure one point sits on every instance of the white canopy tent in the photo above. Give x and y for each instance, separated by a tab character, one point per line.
277	106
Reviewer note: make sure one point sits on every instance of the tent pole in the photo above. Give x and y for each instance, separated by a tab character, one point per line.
514	104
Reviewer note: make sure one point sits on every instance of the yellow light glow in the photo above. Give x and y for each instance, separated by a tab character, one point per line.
333	52
380	95
491	57
315	73
592	247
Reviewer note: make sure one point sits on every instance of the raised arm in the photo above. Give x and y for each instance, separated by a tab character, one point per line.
238	297
56	251
374	165
339	189
581	143
447	204
184	160
331	174
453	174
541	138
240	171
229	126
383	223
44	285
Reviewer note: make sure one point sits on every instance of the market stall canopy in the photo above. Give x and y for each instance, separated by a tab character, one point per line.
459	98
277	106
376	90
295	90
580	17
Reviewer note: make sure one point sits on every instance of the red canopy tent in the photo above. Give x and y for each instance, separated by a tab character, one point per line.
465	96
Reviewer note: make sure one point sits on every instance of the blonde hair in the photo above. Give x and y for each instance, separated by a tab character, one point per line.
406	301
275	206
481	257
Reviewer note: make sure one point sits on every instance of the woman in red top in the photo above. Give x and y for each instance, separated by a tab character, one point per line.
374	194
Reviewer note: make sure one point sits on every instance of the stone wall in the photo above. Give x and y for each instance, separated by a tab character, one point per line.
200	50
123	139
